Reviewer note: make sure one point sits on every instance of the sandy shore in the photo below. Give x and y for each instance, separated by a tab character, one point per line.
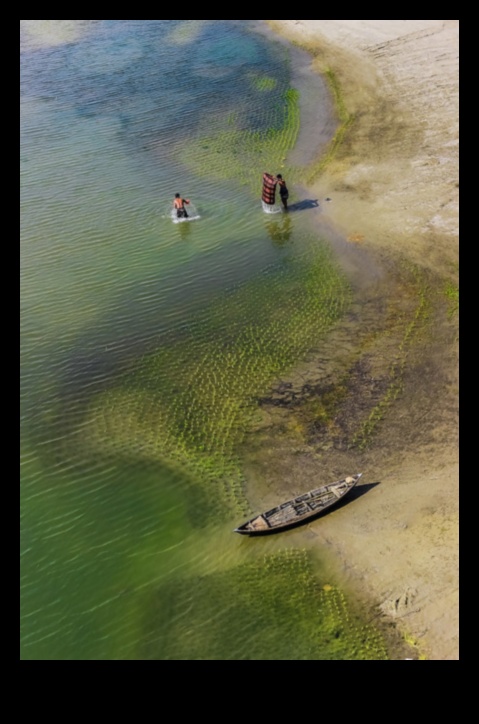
393	185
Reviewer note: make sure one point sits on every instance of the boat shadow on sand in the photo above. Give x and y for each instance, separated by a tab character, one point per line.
356	493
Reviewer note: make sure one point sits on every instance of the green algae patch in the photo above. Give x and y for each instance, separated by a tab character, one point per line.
273	603
452	295
186	33
346	119
241	150
189	404
263	83
341	407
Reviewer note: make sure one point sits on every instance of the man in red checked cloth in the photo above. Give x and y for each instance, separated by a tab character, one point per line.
269	189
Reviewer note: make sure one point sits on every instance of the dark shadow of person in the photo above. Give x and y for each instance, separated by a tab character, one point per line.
279	230
304	204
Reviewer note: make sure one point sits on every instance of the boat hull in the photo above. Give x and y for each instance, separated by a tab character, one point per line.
297	511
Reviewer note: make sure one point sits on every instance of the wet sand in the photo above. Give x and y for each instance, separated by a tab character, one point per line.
390	188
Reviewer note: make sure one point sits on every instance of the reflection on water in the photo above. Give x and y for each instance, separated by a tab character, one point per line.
280	231
185	230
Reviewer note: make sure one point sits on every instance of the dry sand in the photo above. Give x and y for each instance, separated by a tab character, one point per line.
394	188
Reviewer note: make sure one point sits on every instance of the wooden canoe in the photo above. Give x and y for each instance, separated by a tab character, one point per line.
300	509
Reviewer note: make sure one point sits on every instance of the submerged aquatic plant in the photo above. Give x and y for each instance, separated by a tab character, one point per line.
265	598
452	294
345	121
235	147
189	404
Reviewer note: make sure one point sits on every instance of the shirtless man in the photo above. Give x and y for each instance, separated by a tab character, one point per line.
179	205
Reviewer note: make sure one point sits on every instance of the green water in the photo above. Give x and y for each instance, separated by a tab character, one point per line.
145	346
